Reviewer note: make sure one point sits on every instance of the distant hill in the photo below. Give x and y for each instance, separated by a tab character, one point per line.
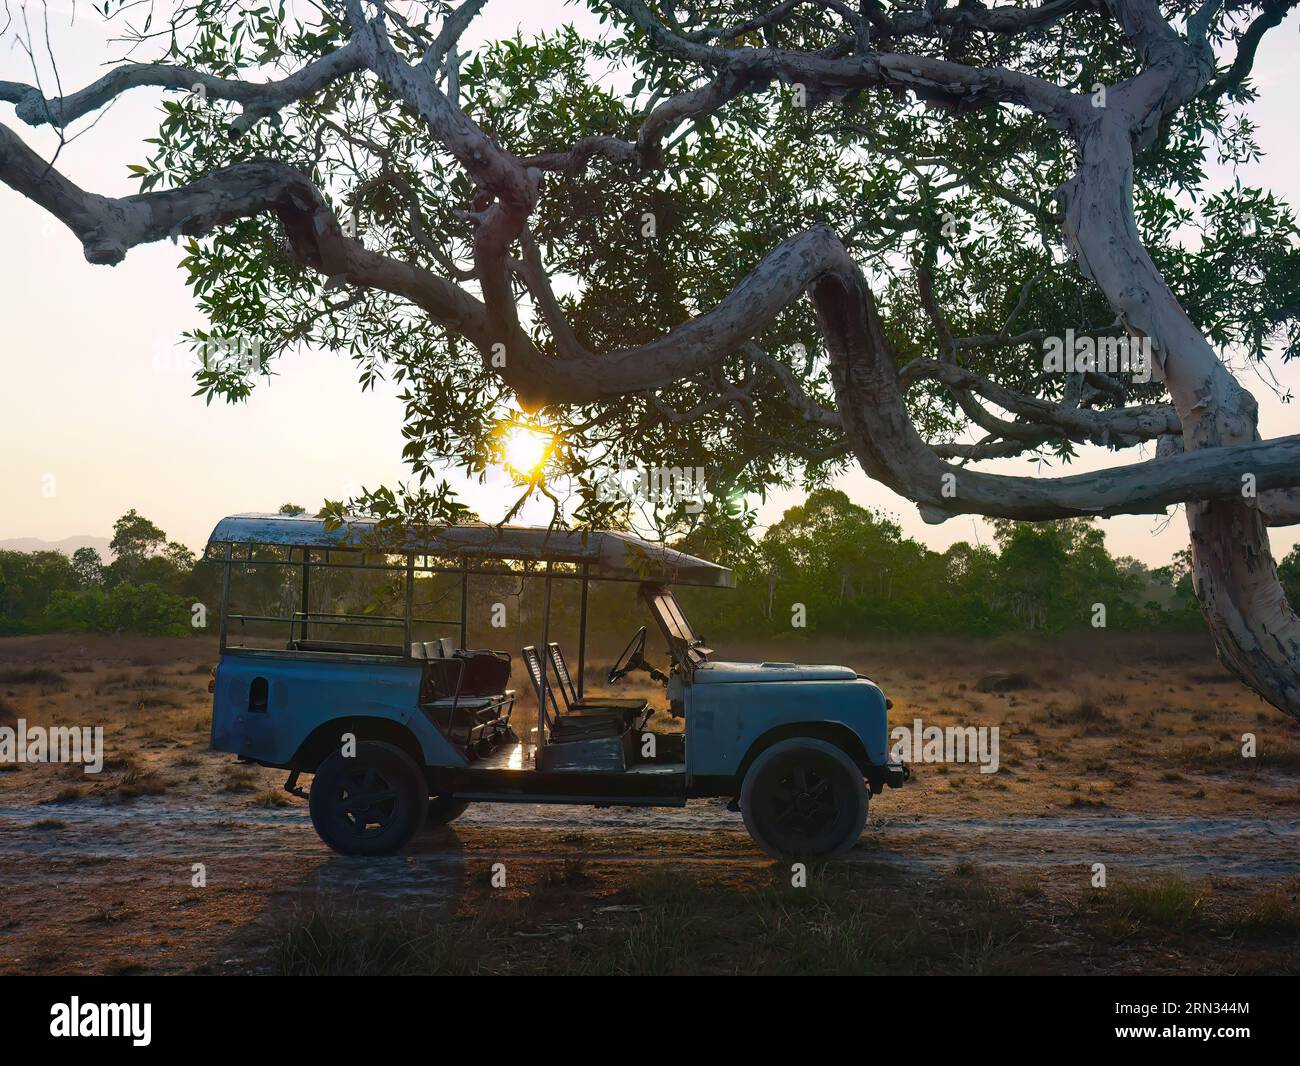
67	545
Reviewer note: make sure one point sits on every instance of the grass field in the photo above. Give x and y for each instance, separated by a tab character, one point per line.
1123	751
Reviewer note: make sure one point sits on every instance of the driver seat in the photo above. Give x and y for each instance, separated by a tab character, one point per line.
581	725
630	708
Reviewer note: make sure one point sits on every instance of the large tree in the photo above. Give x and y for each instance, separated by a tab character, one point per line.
760	237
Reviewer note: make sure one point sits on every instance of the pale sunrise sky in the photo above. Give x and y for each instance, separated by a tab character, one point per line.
95	393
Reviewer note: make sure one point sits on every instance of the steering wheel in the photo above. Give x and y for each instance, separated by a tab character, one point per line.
630	658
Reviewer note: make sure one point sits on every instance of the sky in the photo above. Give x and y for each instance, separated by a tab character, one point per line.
97	414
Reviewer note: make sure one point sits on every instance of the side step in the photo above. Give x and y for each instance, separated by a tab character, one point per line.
583	801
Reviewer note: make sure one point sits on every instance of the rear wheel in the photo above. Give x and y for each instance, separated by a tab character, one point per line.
804	797
444	809
369	804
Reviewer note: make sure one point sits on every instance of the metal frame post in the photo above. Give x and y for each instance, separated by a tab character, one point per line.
464	603
582	634
306	592
410	598
544	651
225	593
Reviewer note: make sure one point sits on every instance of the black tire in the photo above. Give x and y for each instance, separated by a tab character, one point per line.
370	804
804	798
444	809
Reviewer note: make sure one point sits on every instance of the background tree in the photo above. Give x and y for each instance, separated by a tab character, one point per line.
89	567
27	581
951	188
135	541
1289	572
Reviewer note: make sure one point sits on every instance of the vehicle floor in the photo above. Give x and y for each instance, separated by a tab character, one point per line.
521	755
179	860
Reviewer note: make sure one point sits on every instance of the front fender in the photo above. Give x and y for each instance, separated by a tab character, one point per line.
724	722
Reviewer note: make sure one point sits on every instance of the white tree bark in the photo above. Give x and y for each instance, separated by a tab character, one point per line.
1254	627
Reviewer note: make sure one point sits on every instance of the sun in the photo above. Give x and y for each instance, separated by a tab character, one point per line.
526	450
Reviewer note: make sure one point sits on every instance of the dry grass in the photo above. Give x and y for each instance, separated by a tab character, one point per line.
846	921
1090	729
1119	713
31	675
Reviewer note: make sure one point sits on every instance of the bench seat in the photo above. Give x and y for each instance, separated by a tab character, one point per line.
484	708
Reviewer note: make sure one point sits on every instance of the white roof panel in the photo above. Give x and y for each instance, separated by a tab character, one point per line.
608	554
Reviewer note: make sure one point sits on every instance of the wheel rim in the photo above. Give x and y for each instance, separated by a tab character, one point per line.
365	798
804	801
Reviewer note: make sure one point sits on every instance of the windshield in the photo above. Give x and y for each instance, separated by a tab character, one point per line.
684	643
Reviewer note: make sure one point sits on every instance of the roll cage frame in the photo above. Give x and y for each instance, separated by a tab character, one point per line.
553	555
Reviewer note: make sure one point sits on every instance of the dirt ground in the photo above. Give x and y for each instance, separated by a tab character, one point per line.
1122	751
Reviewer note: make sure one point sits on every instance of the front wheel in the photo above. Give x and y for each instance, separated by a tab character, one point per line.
371	803
804	797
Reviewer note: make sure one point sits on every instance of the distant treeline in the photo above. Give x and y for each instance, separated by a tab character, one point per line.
147	588
844	570
828	567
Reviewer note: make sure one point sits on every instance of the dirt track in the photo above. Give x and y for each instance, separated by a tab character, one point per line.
157	833
119	877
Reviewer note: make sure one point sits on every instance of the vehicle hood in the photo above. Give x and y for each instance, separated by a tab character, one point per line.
713	673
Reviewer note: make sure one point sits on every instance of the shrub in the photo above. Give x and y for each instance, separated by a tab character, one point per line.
145	609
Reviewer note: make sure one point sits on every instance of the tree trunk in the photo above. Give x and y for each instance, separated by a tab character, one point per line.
1254	627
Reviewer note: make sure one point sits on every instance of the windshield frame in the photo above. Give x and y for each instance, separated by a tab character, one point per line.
684	644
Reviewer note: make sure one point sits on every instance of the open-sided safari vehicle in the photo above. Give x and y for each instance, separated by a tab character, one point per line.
401	731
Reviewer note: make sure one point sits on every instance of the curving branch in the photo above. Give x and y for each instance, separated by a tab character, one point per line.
108	227
662	120
444	45
1271	15
257	100
1109	427
956	85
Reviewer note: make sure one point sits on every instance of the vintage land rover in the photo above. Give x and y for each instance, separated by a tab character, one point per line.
401	730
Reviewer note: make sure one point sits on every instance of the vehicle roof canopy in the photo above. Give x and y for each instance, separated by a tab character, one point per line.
608	555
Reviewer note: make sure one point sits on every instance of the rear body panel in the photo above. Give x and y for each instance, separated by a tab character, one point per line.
303	692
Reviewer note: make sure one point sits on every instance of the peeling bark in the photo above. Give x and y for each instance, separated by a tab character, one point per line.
1256	631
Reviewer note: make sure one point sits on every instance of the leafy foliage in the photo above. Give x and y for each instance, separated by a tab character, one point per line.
967	197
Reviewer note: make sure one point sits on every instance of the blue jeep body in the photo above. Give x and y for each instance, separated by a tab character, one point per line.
288	711
304	702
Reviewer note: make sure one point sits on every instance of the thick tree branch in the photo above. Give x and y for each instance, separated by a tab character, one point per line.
452	30
890	450
1280	507
954	84
256	99
1272	14
108	228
